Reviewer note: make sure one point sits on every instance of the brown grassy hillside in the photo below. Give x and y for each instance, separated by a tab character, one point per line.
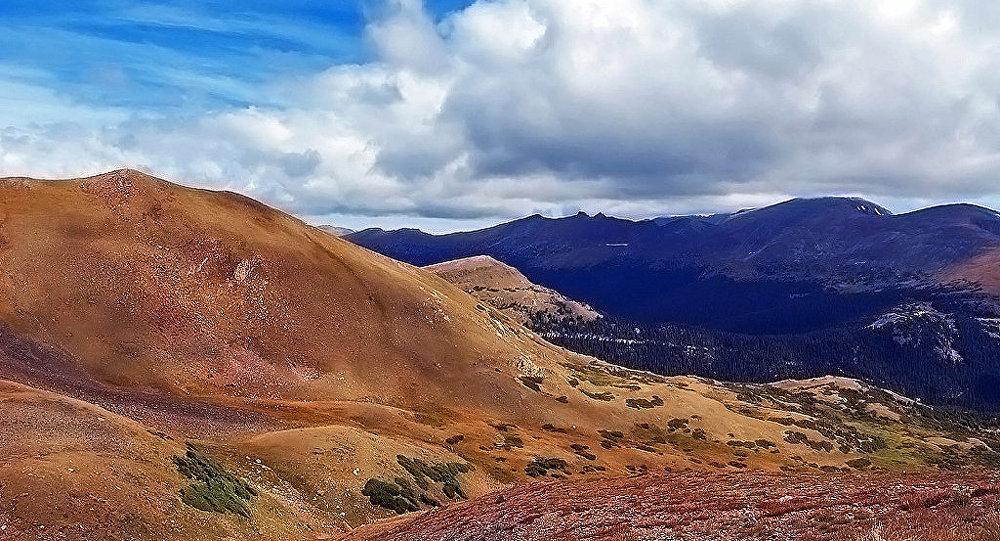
187	364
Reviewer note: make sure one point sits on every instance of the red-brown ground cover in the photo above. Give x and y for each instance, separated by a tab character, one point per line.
938	506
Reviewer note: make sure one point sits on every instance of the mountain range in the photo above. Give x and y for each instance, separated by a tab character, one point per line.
801	288
188	364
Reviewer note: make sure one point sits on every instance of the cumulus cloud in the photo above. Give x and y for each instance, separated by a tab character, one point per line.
635	107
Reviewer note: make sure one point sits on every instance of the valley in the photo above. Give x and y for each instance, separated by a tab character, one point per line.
499	270
799	289
197	365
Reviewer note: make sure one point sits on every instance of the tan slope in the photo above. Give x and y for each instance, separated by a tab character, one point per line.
307	366
150	284
506	289
72	470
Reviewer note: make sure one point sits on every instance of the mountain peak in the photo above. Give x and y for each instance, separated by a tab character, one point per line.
817	207
125	175
841	203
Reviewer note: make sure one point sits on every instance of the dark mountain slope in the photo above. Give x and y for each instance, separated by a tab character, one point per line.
791	275
760	270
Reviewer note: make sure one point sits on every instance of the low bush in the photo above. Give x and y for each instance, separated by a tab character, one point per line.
606	396
532	382
390	496
213	489
539	467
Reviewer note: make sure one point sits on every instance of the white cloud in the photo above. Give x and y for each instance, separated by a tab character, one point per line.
634	107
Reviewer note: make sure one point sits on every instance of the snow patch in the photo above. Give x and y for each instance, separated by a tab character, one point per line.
919	324
991	326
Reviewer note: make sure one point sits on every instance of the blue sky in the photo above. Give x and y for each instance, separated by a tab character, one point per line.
452	114
180	56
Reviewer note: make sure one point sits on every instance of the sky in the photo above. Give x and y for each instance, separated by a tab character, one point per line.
450	114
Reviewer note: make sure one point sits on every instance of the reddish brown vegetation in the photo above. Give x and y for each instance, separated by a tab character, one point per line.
720	506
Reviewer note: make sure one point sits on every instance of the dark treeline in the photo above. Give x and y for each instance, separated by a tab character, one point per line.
924	368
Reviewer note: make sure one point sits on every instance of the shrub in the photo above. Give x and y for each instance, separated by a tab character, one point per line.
738	443
639	403
794	437
539	467
675	424
859	463
511	441
213	489
532	382
390	496
606	396
424	473
453	490
611	434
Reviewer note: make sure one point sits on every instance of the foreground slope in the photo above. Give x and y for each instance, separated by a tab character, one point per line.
186	364
716	507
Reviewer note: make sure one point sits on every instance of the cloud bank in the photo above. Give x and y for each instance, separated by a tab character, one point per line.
633	107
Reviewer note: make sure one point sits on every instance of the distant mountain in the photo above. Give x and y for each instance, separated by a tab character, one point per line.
803	269
759	271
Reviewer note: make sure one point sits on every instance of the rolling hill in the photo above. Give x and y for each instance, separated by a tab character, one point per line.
509	291
188	364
